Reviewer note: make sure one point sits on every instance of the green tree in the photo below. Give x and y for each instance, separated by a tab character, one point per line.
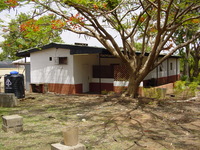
152	22
195	53
17	38
190	54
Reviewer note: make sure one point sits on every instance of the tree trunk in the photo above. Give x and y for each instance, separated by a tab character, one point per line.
186	69
133	87
196	68
196	56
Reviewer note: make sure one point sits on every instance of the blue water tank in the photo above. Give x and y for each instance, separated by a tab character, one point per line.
14	72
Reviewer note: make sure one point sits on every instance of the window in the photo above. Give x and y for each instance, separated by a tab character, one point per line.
50	58
60	60
103	71
161	67
171	66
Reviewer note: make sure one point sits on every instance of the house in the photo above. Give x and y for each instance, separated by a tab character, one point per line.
71	69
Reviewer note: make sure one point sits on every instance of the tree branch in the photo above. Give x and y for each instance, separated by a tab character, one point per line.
196	36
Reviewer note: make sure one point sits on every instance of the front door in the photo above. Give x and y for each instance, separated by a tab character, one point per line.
85	77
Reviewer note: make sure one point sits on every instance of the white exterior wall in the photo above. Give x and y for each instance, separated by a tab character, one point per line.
124	83
45	71
156	73
175	66
103	80
83	67
162	73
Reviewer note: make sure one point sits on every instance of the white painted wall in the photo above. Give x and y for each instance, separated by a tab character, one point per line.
82	61
45	71
124	83
156	73
103	80
175	69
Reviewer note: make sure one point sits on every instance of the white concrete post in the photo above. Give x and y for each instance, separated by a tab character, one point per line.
70	136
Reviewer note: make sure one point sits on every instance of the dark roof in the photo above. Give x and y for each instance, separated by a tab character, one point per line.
75	49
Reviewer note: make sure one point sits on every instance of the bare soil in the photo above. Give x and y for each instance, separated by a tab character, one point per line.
105	122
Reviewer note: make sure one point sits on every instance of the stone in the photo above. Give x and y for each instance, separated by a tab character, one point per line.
12	120
79	147
59	146
12	123
8	100
15	129
70	136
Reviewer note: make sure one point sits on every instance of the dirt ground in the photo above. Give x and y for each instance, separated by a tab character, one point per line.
105	122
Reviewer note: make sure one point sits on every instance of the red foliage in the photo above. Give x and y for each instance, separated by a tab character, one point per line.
12	3
57	24
95	6
29	25
76	21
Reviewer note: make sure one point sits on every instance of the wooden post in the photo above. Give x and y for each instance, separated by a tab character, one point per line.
70	136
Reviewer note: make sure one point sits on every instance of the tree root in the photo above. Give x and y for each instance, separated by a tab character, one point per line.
183	101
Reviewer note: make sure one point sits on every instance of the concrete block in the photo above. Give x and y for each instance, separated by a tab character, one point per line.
79	147
12	121
59	146
70	136
15	129
8	100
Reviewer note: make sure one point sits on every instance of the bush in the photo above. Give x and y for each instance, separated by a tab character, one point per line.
196	79
154	93
179	86
192	88
184	78
185	89
104	92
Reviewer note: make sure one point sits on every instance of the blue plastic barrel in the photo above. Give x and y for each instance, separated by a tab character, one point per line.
14	72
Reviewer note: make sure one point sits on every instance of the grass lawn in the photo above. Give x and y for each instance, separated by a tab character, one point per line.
111	123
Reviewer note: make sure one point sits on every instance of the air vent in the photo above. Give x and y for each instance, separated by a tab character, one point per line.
81	44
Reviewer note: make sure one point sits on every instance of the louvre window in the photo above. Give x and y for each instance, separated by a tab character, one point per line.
60	60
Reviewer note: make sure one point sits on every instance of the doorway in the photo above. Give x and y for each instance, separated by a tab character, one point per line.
85	77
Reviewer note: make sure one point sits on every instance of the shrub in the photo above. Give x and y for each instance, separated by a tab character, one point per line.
192	88
197	79
185	89
104	92
179	86
184	78
151	93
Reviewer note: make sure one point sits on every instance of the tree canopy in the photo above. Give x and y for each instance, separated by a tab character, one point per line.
190	54
17	37
152	22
